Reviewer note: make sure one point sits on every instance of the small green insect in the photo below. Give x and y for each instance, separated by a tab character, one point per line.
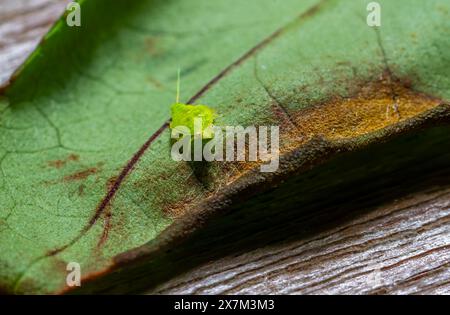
185	115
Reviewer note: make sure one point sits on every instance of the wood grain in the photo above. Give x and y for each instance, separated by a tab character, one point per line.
401	246
22	25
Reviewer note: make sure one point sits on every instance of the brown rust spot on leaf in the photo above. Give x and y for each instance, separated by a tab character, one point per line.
106	227
61	163
77	176
177	209
111	182
81	175
376	106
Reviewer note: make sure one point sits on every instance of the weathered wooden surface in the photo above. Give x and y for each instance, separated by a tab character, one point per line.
22	24
401	246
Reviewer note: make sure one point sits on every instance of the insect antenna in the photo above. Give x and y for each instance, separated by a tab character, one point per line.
178	86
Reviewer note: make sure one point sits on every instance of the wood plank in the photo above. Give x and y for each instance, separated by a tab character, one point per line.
22	25
401	247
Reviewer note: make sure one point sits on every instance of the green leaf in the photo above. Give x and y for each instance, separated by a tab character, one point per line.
86	174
